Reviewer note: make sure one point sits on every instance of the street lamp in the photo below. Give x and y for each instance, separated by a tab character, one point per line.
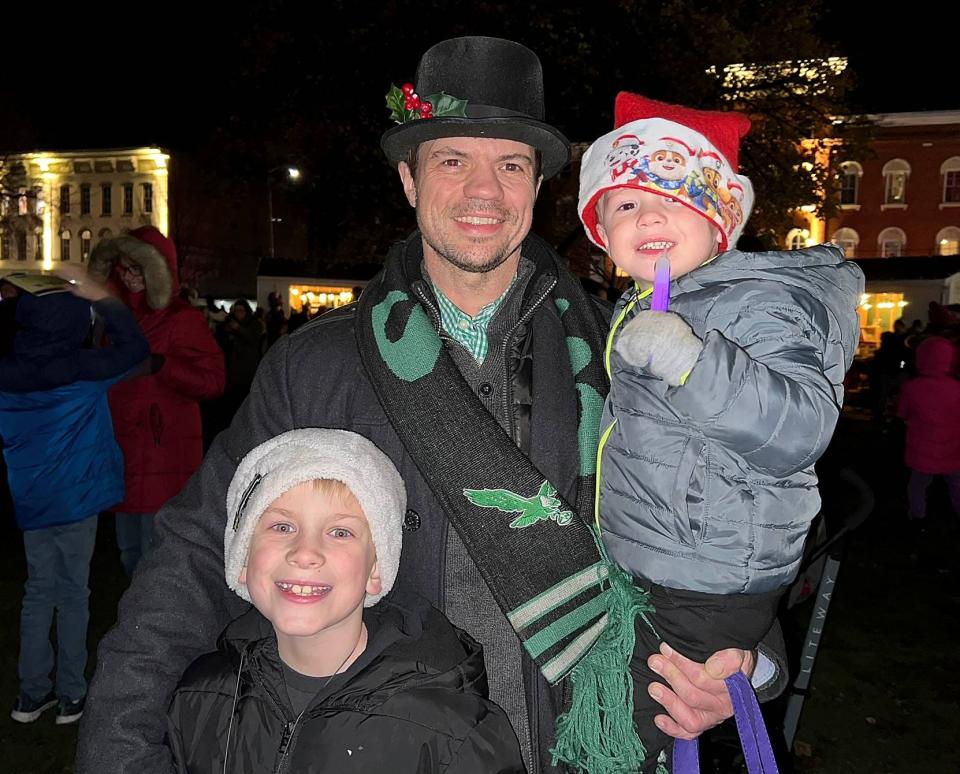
292	174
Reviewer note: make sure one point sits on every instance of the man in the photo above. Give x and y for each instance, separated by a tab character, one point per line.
472	360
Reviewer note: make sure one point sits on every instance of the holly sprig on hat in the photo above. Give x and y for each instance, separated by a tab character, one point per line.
406	105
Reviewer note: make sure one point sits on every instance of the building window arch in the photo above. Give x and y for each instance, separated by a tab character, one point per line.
847	239
891	242
65	245
895	175
950	169
850	174
797	238
948	241
86	238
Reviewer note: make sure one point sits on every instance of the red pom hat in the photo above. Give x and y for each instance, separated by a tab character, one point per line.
670	150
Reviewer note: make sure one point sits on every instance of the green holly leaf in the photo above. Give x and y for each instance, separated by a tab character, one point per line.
447	106
395	102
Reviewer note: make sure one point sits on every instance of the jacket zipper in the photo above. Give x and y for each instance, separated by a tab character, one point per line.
507	384
434	312
533	714
286	742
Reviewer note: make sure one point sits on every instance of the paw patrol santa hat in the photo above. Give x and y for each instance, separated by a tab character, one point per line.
298	456
670	150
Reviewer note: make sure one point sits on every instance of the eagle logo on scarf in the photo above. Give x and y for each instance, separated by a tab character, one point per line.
543	506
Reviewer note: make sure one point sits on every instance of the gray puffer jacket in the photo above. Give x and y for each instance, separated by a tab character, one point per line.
710	486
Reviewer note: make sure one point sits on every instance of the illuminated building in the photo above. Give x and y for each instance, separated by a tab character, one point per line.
899	217
57	205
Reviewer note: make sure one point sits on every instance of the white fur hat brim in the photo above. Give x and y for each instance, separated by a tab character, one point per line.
297	456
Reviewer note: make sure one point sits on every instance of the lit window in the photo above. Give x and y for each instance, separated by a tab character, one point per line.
85	199
85	239
948	241
148	197
128	198
23	204
847	239
106	199
64	245
891	242
950	169
895	174
850	174
797	238
64	200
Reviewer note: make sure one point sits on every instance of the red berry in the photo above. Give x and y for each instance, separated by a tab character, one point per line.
407	89
426	107
409	105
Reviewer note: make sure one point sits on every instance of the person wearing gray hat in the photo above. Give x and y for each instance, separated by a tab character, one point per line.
474	360
312	539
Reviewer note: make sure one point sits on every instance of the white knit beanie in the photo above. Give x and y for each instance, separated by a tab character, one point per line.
298	456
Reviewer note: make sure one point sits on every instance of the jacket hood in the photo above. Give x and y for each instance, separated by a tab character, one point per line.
936	356
51	325
424	648
151	251
822	270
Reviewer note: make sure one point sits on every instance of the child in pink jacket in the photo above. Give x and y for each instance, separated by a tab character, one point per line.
930	405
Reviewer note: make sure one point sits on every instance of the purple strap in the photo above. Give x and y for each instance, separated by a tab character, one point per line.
754	739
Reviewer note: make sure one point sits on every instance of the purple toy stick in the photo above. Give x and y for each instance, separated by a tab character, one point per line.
661	285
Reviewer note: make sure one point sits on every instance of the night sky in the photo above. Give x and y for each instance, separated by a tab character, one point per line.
88	81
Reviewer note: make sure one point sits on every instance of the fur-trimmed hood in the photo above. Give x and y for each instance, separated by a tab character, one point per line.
151	251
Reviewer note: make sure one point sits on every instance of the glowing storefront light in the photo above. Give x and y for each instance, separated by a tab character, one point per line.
878	312
317	298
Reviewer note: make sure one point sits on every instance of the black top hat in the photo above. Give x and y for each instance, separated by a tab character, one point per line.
502	83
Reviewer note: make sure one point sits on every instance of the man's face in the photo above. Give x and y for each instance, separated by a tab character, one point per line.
311	564
474	199
637	226
131	274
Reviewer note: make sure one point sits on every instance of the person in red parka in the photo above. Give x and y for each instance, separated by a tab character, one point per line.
157	417
930	405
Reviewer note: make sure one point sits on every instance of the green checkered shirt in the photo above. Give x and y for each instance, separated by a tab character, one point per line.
467	330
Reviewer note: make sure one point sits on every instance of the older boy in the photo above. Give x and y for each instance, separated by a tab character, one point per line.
315	679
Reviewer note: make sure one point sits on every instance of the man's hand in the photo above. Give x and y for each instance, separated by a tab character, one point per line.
82	284
699	699
662	343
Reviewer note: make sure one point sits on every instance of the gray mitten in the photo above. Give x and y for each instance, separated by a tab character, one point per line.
662	343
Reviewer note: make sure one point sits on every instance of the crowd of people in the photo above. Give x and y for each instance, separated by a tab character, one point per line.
505	528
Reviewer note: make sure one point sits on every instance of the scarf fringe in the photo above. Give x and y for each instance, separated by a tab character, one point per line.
597	735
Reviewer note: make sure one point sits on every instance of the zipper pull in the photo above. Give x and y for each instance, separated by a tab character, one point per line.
285	739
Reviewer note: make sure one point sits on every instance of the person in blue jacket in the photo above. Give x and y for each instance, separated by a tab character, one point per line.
63	468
